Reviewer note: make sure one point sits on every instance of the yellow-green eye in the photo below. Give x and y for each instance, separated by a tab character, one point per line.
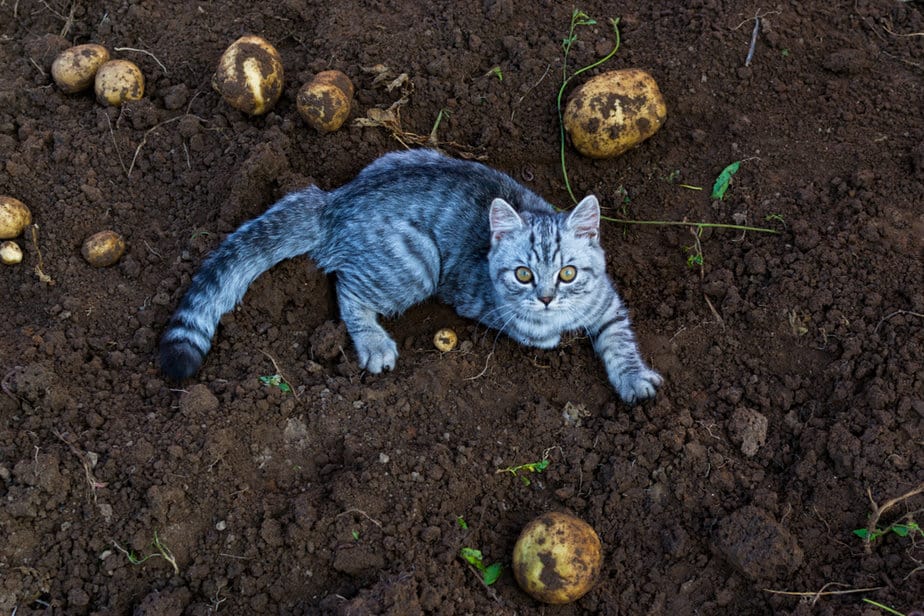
567	273
523	274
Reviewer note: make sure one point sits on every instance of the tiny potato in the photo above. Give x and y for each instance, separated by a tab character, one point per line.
74	69
249	75
118	81
445	340
325	101
557	558
14	217
614	112
10	253
103	249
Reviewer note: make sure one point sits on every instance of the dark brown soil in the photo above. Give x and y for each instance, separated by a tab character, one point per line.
794	363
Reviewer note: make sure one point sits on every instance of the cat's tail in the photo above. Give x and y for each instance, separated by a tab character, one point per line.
289	228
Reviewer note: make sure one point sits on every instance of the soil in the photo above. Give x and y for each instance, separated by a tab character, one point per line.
793	362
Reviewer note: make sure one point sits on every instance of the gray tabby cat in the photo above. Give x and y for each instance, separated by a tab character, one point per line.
416	224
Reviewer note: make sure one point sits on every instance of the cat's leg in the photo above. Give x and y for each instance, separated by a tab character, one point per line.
615	343
375	348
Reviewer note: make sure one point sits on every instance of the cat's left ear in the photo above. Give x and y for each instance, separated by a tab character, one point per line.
504	219
584	219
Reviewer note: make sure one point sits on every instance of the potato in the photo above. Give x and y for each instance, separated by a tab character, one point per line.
325	101
75	68
445	340
103	249
14	217
614	112
118	81
249	75
557	558
10	253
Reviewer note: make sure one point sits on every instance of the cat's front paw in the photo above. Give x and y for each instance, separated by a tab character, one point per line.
639	385
376	353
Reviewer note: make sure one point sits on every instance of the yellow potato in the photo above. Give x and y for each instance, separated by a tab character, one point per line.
10	253
14	217
614	112
103	249
445	340
325	101
75	68
118	81
557	558
249	75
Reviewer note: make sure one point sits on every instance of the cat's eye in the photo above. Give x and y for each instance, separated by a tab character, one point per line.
523	274
567	273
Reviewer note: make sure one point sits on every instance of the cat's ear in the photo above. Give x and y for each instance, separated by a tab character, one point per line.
584	219
504	219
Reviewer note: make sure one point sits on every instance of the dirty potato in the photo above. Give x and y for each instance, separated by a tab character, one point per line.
10	253
74	69
249	75
118	81
557	558
614	112
14	217
325	101
445	340
103	249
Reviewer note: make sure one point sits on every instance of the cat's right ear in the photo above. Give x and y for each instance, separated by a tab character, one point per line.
504	219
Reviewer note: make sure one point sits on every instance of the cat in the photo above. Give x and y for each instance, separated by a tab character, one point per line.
415	224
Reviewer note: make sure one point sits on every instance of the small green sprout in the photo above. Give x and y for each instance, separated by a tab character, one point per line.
461	523
775	218
885	608
276	380
722	182
355	534
489	573
530	467
495	72
162	551
902	530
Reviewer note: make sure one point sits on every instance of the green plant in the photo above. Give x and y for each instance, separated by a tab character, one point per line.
902	530
489	573
162	551
355	534
529	467
461	523
276	380
724	180
578	19
883	607
496	72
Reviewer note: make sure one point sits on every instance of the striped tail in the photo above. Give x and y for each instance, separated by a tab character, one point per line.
289	228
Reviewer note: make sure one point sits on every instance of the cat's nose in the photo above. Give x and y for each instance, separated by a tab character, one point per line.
546	299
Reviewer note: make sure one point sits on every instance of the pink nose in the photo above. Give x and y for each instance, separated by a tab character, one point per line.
546	300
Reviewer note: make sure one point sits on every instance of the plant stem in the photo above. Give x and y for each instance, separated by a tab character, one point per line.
882	607
566	79
681	223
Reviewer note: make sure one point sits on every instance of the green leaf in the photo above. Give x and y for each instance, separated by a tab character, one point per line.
461	523
473	557
901	530
724	179
862	533
284	387
541	466
492	573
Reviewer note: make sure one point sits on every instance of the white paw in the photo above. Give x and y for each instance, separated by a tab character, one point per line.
376	355
640	385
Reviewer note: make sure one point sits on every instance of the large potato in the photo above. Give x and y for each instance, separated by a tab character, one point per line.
74	69
118	81
557	558
614	112
103	249
249	75
14	217
325	101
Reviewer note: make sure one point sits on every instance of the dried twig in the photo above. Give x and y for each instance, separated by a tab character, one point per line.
159	63
362	513
822	593
95	484
750	56
39	271
878	510
895	314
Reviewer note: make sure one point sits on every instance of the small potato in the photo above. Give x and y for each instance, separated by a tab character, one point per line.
10	253
14	217
75	68
445	340
249	75
118	81
557	558
614	112
103	249
325	101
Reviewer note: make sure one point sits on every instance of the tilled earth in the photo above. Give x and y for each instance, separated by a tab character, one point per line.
793	362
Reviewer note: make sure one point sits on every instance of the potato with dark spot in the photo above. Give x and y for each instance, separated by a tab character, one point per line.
325	101
117	82
249	75
613	112
557	558
74	69
103	249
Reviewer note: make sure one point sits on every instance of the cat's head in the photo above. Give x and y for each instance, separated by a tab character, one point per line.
546	265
